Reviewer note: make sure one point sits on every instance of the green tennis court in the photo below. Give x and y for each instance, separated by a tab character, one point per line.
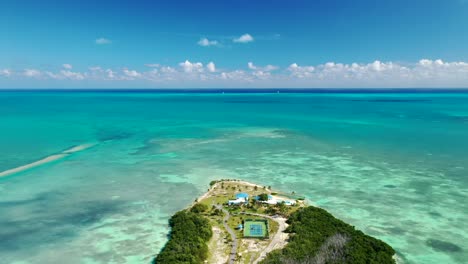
255	228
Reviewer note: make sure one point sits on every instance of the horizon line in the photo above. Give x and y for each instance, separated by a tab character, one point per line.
240	90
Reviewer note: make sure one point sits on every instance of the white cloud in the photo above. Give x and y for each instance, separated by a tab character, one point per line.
270	68
32	73
423	73
246	38
67	66
211	67
103	41
72	75
131	74
167	69
266	68
6	72
66	75
110	75
204	42
187	66
300	71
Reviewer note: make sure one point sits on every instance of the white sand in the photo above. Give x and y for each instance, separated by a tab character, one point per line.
46	160
77	148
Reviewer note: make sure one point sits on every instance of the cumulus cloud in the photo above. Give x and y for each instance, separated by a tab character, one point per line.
65	75
246	38
72	75
204	42
103	41
423	73
67	66
211	67
131	74
300	71
187	66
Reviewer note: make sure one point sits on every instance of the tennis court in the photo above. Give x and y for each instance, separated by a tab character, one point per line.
255	228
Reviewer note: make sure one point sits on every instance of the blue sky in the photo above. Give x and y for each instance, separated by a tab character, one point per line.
111	43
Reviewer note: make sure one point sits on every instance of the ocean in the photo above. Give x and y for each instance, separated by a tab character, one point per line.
108	169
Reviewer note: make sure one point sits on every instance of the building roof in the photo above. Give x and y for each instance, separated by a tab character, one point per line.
237	201
242	195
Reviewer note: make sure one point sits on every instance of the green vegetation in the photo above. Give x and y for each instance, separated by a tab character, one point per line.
279	209
315	235
318	237
213	183
199	208
263	197
189	235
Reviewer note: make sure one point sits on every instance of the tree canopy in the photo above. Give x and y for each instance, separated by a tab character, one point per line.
189	235
318	237
199	208
263	197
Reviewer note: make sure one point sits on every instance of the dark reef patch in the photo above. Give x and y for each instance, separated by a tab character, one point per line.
391	186
396	230
41	226
435	214
462	119
443	246
37	201
107	135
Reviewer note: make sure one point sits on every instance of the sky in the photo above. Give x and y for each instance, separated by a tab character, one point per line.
229	44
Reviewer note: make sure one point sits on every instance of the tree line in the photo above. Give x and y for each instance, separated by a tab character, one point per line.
316	237
188	238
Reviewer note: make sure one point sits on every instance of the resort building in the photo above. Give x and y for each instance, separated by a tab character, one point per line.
242	195
241	198
275	200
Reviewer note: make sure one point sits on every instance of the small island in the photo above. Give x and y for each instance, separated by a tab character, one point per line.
241	222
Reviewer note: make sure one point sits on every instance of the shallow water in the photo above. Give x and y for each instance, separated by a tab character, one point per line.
393	165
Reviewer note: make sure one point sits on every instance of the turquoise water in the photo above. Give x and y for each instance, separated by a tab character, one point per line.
393	165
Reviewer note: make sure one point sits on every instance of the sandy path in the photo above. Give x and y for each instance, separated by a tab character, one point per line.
233	254
218	247
279	240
